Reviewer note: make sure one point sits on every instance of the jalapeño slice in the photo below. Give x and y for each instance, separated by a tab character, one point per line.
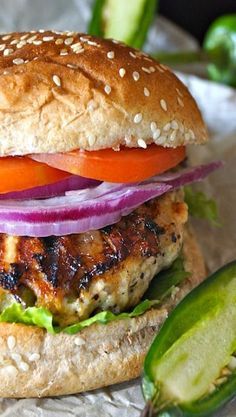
190	368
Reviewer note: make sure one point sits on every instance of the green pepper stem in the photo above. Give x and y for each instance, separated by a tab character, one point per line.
181	57
216	56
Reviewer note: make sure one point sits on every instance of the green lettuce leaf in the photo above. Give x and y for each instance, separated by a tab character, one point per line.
37	316
200	206
164	282
42	317
107	316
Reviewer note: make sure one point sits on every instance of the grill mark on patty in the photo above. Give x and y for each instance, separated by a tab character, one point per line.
98	269
9	280
49	261
56	262
141	235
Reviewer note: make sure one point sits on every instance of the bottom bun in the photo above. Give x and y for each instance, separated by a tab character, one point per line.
35	363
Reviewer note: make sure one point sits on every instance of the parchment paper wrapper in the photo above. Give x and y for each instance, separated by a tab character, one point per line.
218	104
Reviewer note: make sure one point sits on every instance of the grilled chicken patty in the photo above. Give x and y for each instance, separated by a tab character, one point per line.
107	269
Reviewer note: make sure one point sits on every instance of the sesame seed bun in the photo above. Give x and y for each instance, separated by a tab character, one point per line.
61	91
35	363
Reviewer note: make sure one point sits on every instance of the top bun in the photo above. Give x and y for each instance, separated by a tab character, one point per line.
61	91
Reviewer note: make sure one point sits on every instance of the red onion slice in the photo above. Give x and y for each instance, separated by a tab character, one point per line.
84	210
73	182
75	218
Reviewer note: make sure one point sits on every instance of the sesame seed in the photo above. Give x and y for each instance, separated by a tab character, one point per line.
107	89
122	72
187	136
91	105
70	33
23	366
56	80
63	52
31	39
114	41
138	117
11	370
179	92
18	61
40	31
14	42
181	127
152	69
136	76
37	42
146	58
173	135
11	342
163	104
232	363
159	68
24	36
166	128
92	43
132	54
146	92
76	45
91	140
174	125
79	51
142	143
73	66
20	44
69	41
161	140
16	357
220	381
8	51
79	341
34	357
2	46
153	126
156	134
59	41
180	102
164	67
146	70
192	134
48	38
6	37
110	54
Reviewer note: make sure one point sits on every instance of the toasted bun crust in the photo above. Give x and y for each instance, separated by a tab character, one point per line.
35	363
61	91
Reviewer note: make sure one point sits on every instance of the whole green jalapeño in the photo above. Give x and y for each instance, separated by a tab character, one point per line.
190	369
220	45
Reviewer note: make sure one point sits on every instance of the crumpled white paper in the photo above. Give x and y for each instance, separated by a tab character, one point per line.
218	104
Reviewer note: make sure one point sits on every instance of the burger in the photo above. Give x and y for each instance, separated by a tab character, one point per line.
93	222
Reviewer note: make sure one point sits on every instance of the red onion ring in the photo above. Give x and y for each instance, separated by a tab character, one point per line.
90	209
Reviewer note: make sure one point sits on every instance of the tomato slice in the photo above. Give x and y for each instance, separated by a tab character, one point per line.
21	173
126	165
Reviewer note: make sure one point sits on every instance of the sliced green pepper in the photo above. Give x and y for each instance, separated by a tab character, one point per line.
125	21
190	368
